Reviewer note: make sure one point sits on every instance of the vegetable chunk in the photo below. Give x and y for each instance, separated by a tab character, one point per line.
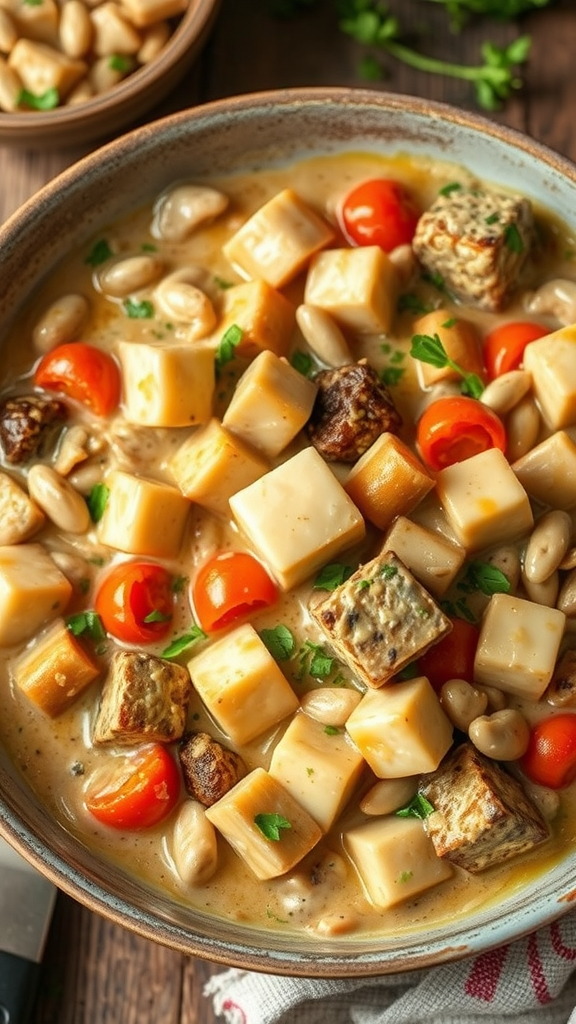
552	362
143	517
33	591
168	386
20	517
144	698
358	287
55	671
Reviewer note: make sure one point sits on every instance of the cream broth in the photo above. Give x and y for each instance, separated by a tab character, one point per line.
323	895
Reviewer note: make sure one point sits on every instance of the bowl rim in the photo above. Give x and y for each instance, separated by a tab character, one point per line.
315	962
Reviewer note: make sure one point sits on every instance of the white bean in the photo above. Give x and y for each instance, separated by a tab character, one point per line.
76	29
566	601
72	450
546	592
548	543
63	505
10	87
331	705
113	33
503	394
405	262
179	212
186	303
323	335
129	274
387	796
555	298
153	40
60	323
103	75
503	735
194	846
8	31
522	428
497	699
462	702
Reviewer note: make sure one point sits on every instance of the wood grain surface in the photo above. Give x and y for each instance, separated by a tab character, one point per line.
96	972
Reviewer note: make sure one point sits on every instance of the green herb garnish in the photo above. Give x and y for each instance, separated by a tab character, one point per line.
157	616
97	501
138	310
271	825
303	362
86	623
418	807
99	253
227	346
513	238
45	101
486	578
332	576
428	348
182	643
279	641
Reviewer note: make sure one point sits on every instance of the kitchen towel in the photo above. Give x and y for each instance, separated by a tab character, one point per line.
530	981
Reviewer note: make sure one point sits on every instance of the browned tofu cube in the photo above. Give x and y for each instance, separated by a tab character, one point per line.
144	698
482	816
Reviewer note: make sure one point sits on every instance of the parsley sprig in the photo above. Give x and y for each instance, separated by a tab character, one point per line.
428	348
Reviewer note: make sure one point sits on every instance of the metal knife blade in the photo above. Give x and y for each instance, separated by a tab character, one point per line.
26	904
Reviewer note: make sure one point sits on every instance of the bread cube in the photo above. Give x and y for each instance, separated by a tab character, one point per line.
433	559
235	816
484	501
358	287
212	464
144	699
33	591
297	517
548	471
265	317
270	405
552	362
461	344
518	646
320	767
387	481
241	685
20	517
167	385
277	241
143	517
41	67
55	670
401	729
395	859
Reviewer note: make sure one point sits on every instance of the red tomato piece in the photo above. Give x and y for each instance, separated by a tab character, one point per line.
550	759
453	656
135	602
82	372
504	346
455	428
135	791
379	212
228	586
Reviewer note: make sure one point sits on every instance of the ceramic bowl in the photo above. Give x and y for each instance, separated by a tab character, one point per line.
105	114
240	133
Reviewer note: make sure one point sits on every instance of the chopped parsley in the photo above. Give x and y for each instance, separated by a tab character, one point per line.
331	730
513	238
97	501
303	362
182	643
452	186
227	346
99	253
418	807
138	309
428	348
88	624
279	641
332	576
314	660
271	825
45	101
410	303
120	62
486	578
157	616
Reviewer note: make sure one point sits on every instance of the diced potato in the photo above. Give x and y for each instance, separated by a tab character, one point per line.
518	646
395	859
113	32
297	517
35	21
33	591
548	471
41	68
277	242
212	465
387	481
432	559
167	385
484	501
143	517
320	767
241	685
148	12
401	729
265	317
460	342
55	670
358	287
20	517
235	814
271	404
552	362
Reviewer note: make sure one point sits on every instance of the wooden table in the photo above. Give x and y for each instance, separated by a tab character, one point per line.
96	972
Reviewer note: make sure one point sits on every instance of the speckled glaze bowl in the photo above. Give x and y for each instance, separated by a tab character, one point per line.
106	114
241	133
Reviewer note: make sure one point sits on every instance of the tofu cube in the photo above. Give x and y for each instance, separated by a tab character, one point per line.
212	465
265	317
548	471
518	646
277	241
144	13
41	67
143	517
297	517
144	700
401	729
271	403
434	560
235	815
387	481
395	859
380	619
320	767
241	685
33	591
358	287
55	670
484	501
167	385
552	362
20	517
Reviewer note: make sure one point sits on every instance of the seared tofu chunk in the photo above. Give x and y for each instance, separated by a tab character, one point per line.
476	242
28	424
209	768
352	408
144	698
380	619
482	816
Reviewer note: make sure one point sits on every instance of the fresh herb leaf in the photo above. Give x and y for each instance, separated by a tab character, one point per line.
409	303
182	643
428	348
178	584
227	346
97	501
392	375
99	253
513	238
138	309
45	101
315	661
157	616
452	186
271	825
486	578
418	807
120	62
332	576
303	362
331	730
86	623
279	642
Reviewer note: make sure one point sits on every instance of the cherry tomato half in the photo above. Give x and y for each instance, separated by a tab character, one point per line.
455	428
135	791
504	346
550	759
379	212
229	585
135	602
82	372
453	656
